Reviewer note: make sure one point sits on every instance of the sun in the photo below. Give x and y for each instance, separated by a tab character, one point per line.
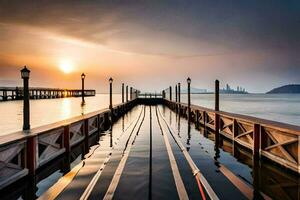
66	66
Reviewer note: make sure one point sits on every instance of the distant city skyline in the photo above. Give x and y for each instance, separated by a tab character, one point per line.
151	45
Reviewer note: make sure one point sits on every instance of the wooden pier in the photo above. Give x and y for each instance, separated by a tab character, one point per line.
16	93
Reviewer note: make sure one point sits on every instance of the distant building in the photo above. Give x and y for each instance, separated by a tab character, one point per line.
229	90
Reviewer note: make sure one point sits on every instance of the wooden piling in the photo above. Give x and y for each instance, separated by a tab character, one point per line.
217	116
86	135
126	93
176	93
170	90
67	138
179	92
256	140
31	159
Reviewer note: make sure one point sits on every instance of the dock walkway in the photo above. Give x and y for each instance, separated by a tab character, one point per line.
147	155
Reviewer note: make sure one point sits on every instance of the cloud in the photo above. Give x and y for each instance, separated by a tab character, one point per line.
172	28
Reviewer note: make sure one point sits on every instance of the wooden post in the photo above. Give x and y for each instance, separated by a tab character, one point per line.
256	140
67	138
170	88
126	93
130	93
179	93
31	159
217	116
122	92
86	135
235	132
110	93
176	93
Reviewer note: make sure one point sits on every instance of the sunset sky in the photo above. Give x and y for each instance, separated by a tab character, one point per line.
151	44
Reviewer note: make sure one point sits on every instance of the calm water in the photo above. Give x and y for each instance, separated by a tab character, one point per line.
47	111
283	108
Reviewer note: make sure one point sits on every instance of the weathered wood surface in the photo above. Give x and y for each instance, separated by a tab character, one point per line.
279	142
23	152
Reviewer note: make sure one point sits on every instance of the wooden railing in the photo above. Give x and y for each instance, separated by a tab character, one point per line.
276	141
22	153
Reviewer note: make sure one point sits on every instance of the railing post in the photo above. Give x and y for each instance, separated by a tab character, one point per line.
130	93
31	153
235	132
86	135
67	138
256	140
217	116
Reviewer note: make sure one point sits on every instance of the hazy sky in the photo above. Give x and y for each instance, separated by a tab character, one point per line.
151	44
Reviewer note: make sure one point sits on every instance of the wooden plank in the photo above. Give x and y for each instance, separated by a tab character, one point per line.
116	178
193	166
175	171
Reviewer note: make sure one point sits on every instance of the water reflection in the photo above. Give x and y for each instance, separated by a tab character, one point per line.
66	107
46	111
82	107
189	137
123	123
178	125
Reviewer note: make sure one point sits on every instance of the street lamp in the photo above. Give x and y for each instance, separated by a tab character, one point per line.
110	92
26	112
82	88
188	80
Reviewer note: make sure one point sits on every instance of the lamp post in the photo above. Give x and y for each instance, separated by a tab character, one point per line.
26	111
110	92
188	80
82	88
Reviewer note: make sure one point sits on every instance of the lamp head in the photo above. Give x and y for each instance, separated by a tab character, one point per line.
25	72
188	80
110	80
82	76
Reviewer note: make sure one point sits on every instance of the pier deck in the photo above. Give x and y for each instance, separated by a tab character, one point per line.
133	162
